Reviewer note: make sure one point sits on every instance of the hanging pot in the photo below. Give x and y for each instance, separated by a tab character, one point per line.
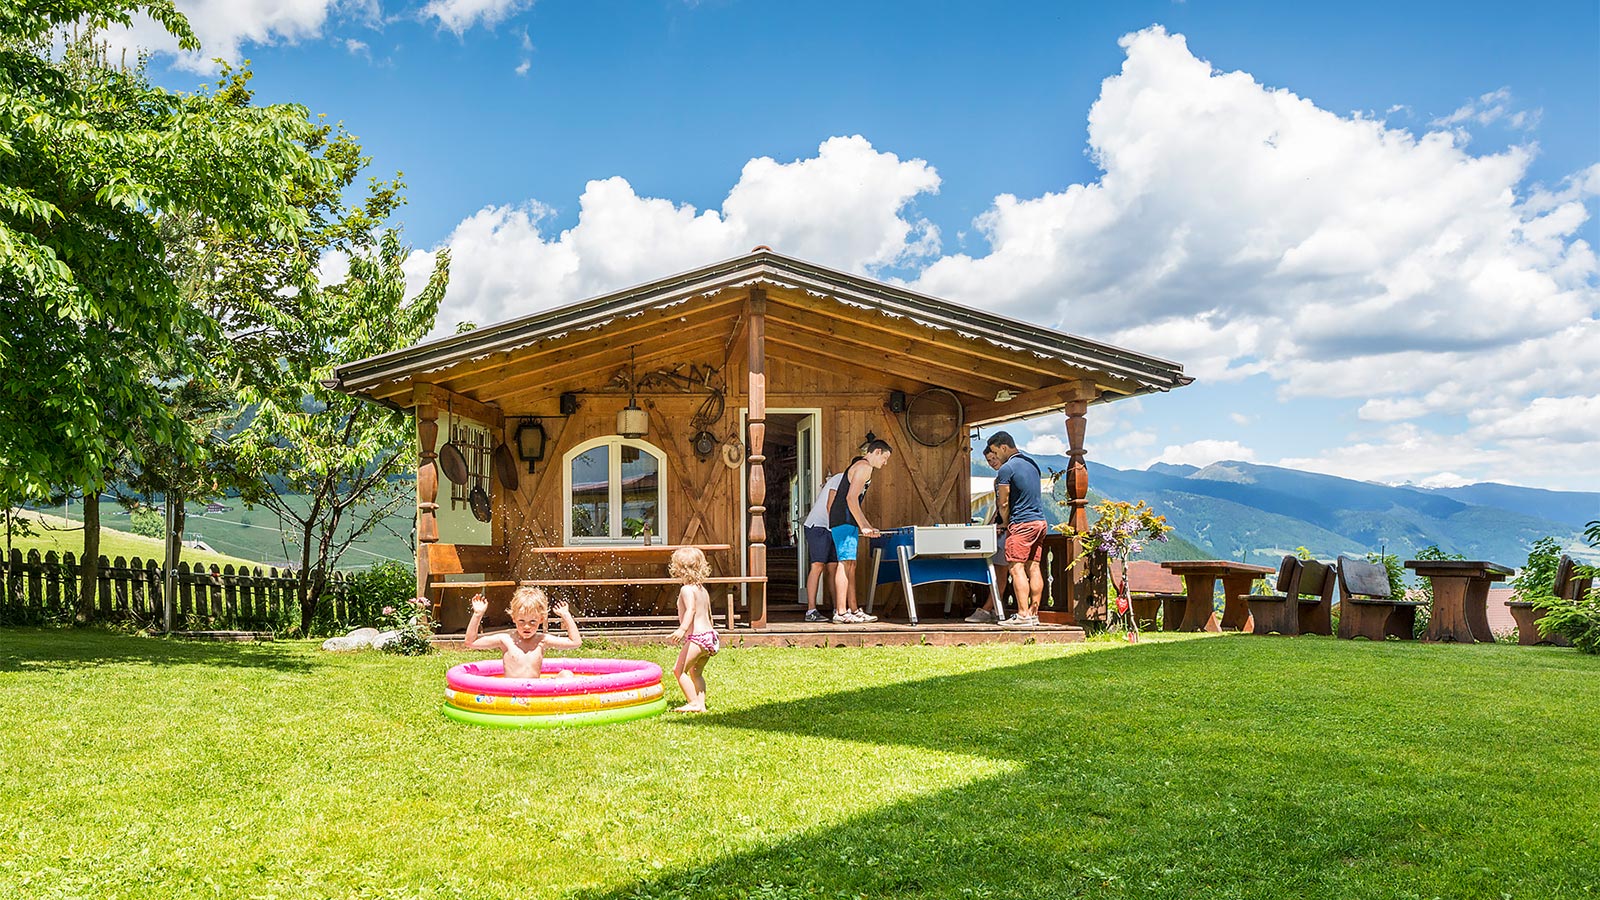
451	460
505	466
479	500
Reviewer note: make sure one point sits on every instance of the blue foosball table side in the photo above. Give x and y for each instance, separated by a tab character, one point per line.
916	555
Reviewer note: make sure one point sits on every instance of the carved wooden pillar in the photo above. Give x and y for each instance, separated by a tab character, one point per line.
1087	605
427	490
757	398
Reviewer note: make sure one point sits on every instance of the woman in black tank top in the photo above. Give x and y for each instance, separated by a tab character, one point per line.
839	512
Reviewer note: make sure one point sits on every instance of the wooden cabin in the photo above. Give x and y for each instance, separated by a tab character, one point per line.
740	387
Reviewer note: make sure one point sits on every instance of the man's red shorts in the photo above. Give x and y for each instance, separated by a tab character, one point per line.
1025	542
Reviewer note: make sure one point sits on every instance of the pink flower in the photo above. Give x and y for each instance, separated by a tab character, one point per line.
388	610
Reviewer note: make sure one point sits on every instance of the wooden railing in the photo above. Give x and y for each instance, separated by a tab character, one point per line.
1079	595
36	589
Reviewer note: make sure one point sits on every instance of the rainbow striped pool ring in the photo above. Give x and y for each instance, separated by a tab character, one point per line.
567	692
545	705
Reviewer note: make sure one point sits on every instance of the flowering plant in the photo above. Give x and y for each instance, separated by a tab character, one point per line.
413	624
1119	531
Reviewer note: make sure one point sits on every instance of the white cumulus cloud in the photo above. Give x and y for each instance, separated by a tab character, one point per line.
845	207
223	26
1203	453
460	15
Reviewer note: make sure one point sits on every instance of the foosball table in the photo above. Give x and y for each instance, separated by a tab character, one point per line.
927	554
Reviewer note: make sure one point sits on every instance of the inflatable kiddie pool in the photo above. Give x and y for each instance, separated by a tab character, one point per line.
567	692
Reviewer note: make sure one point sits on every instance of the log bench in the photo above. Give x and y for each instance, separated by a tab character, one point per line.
1367	608
729	617
1303	603
1568	587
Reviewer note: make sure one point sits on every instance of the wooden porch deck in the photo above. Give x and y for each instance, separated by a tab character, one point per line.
876	634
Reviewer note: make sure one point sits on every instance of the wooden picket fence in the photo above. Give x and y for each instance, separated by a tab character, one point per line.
35	589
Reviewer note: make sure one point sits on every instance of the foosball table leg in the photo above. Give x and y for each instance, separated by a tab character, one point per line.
998	595
905	582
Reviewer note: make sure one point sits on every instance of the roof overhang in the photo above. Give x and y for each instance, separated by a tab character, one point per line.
1119	371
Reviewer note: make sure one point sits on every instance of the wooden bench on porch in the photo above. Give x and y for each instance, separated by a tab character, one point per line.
460	559
1303	603
1366	607
1568	587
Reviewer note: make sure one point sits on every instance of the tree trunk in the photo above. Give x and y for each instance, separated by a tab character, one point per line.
308	589
173	502
89	566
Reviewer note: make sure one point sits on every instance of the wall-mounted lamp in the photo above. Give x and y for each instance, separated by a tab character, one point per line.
632	422
530	442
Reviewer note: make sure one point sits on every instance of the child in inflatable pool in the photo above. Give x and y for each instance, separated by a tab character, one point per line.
695	631
522	648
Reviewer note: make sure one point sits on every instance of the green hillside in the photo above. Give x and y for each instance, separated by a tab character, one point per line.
52	533
244	534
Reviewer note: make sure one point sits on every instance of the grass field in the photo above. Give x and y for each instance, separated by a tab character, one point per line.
1224	767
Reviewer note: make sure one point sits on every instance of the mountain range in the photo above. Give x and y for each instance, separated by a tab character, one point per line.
1257	513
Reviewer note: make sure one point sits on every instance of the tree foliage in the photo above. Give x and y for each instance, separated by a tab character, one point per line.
93	160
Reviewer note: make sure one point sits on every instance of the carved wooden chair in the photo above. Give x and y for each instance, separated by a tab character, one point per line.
1366	608
1303	603
1568	587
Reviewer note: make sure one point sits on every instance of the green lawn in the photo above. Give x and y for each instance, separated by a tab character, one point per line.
1225	767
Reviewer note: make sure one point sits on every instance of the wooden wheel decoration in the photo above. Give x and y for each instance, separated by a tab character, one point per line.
933	417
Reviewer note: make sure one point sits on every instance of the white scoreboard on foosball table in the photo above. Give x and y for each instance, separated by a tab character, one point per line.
925	554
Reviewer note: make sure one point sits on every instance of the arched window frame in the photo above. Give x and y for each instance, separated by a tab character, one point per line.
614	486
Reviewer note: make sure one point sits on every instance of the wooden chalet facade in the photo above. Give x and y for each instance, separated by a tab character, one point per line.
757	377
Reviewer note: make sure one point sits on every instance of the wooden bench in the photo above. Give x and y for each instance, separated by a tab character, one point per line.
1366	607
1568	587
1303	603
729	617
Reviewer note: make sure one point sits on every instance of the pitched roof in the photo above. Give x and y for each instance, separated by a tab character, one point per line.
852	295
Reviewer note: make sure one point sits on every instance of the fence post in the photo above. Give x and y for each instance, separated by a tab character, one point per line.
185	597
52	582
102	586
36	579
230	597
135	587
214	593
119	576
153	590
70	583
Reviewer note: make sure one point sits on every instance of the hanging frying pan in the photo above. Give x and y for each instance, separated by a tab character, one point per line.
451	459
505	466
479	500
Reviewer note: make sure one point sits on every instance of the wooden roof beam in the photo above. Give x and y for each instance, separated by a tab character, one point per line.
607	354
812	310
932	356
681	351
969	384
473	376
1030	403
433	394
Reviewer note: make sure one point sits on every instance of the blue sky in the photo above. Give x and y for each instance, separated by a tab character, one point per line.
1366	229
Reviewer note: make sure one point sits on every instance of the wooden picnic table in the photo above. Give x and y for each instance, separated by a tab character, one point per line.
1460	597
1200	586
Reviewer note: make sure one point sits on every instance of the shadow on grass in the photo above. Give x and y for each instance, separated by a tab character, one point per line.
1223	768
54	649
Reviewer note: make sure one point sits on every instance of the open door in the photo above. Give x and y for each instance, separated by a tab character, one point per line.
808	480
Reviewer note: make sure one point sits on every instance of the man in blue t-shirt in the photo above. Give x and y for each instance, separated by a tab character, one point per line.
1020	502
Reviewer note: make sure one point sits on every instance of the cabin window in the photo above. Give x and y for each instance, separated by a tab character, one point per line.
615	490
